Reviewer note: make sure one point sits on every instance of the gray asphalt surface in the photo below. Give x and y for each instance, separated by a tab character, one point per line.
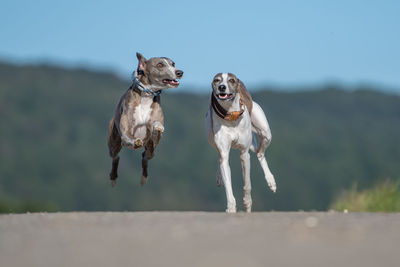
200	239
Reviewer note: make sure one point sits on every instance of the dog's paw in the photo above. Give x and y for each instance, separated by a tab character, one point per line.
157	126
273	188
271	183
113	178
247	202
231	210
138	143
143	180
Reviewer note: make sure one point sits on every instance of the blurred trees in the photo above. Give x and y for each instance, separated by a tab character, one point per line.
53	145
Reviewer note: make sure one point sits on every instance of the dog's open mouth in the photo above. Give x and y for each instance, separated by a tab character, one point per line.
224	96
174	82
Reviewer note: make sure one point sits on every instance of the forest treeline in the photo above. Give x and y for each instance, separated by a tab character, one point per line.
53	152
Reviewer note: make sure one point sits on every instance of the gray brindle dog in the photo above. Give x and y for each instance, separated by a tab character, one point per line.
138	121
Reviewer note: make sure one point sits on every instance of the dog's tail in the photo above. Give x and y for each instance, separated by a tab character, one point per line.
261	139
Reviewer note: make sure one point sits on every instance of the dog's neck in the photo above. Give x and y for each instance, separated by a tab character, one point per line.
141	86
231	110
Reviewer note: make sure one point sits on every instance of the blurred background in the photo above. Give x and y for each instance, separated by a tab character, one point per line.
326	74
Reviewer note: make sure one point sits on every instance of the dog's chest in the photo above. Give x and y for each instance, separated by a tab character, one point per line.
236	133
143	110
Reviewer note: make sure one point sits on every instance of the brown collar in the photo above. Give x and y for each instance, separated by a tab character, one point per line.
223	113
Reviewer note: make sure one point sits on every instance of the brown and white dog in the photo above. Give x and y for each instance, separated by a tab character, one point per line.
232	119
138	120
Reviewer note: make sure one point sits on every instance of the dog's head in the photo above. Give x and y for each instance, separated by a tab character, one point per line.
158	73
225	86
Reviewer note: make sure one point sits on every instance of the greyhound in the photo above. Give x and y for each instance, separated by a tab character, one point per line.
231	120
138	121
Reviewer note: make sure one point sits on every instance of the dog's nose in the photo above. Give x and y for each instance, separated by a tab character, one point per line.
179	73
222	88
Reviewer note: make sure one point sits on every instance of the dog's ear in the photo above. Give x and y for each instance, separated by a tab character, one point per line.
142	61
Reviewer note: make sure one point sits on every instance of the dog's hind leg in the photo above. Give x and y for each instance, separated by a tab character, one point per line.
245	161
114	147
262	131
145	161
219	177
260	124
147	154
269	177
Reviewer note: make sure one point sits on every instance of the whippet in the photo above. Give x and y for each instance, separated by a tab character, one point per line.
138	121
231	120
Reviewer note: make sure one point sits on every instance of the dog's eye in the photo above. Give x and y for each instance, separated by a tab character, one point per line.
173	64
216	81
160	65
232	80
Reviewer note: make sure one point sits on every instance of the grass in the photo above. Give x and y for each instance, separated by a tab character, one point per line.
10	205
383	197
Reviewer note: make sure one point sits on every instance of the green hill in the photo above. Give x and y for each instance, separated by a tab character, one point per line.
54	156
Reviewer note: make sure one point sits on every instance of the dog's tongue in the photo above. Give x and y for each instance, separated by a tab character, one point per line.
174	82
171	82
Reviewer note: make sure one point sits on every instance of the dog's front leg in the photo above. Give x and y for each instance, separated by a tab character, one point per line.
155	129
225	171
128	127
156	122
156	133
245	161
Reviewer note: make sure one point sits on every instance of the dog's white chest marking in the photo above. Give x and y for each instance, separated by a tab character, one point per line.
143	110
142	117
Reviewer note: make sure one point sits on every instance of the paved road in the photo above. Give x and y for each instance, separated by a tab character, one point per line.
200	239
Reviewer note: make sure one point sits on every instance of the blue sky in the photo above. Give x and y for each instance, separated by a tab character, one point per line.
285	43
